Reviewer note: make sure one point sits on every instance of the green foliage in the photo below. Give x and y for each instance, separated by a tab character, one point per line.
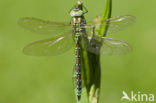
105	16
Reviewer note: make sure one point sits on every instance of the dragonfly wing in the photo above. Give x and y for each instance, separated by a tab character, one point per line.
49	47
109	46
114	24
119	23
114	47
43	27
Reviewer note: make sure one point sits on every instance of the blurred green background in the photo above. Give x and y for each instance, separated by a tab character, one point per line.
26	79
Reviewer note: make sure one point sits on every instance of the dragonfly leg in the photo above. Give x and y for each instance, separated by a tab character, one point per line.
86	11
70	10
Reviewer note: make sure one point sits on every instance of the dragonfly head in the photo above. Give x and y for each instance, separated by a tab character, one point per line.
79	5
77	10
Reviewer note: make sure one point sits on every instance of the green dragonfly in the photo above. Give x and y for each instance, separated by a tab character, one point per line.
72	33
62	43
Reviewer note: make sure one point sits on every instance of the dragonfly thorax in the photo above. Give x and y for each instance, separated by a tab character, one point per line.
76	13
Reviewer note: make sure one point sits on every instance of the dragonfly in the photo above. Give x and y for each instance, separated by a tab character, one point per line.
71	33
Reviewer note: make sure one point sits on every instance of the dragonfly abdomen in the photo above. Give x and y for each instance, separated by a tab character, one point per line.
77	33
77	22
78	69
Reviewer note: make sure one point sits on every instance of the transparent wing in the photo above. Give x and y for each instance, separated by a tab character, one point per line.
49	47
114	24
119	23
109	46
43	27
